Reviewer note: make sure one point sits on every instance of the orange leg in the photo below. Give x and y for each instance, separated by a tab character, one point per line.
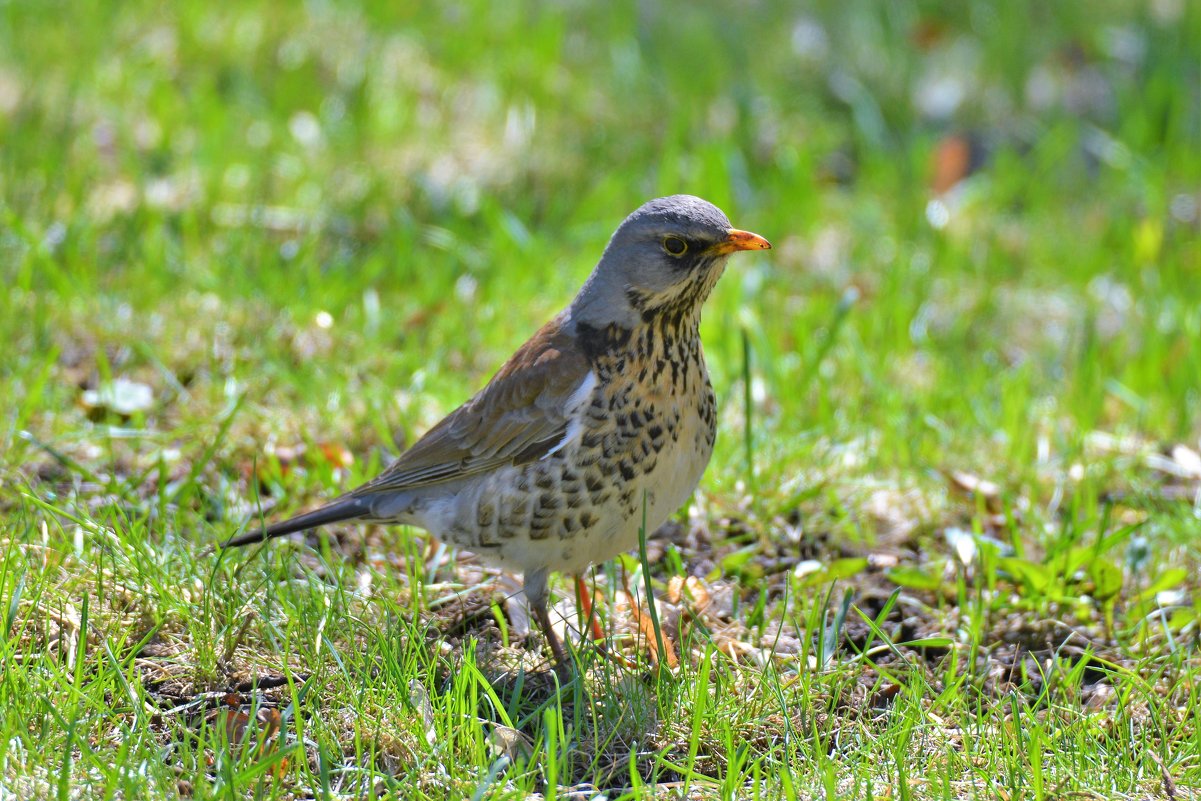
581	591
598	634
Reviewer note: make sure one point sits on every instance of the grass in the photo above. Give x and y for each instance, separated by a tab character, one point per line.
947	546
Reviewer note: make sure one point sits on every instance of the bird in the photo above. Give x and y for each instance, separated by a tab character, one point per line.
599	426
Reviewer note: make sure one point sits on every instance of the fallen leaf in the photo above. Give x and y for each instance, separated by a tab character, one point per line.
337	455
699	592
510	743
952	162
675	589
885	695
235	719
973	486
647	627
929	32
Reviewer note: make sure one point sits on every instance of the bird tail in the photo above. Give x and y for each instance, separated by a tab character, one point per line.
336	512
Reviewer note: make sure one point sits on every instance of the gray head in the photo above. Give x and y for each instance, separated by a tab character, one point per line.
664	259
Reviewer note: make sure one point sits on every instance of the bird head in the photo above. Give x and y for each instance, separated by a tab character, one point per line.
664	259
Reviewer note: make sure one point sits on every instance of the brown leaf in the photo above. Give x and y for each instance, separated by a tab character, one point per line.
951	162
972	486
647	627
699	592
928	33
337	454
238	724
885	695
675	588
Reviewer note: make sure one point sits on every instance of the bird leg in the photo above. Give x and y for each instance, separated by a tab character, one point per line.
586	605
537	594
587	601
552	639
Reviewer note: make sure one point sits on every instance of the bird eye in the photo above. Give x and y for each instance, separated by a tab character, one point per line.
675	246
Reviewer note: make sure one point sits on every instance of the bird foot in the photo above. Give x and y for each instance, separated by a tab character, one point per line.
563	663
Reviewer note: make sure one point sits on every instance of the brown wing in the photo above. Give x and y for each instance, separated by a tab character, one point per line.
518	417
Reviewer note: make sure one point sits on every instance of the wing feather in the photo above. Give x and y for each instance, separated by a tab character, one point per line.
518	417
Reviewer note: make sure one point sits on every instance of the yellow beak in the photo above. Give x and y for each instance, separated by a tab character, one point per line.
739	240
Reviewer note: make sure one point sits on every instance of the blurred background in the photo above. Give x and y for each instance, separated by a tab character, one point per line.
250	250
985	217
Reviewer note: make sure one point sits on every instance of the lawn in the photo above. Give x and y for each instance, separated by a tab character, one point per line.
949	544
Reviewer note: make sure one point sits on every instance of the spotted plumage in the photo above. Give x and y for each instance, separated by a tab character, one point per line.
604	419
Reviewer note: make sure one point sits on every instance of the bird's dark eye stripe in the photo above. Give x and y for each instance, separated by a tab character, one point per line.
674	245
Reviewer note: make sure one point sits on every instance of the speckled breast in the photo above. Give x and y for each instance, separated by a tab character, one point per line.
645	437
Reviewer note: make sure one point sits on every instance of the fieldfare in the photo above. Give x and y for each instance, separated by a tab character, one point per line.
601	423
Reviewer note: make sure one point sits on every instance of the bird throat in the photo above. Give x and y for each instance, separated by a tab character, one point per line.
663	350
680	303
664	344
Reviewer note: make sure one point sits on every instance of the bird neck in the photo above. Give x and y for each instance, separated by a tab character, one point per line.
656	334
602	302
612	318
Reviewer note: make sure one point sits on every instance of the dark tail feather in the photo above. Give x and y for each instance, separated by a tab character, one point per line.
336	512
